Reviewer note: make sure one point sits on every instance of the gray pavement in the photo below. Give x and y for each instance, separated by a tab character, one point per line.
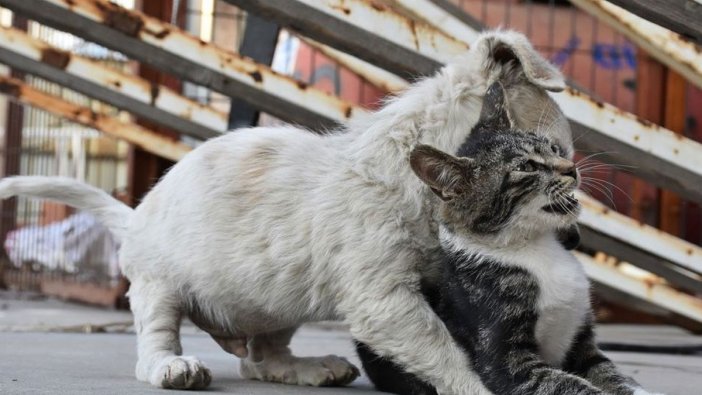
66	361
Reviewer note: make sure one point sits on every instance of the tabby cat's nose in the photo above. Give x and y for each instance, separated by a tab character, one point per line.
570	172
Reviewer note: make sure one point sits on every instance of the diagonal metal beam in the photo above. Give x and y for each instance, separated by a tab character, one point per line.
107	123
366	29
147	100
659	295
653	250
665	46
680	16
172	50
661	157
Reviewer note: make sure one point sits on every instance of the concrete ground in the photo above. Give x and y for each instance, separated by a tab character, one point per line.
52	347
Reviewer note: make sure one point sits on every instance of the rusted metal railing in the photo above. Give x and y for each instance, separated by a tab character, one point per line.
667	47
164	46
148	100
106	123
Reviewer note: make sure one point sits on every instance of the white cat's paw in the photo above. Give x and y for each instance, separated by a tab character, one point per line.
314	371
181	373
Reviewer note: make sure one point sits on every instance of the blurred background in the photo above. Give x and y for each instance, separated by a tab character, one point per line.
76	103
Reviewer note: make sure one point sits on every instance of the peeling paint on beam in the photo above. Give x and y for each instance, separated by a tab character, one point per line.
378	77
667	47
170	49
150	101
659	295
365	29
680	16
647	238
107	123
658	155
436	12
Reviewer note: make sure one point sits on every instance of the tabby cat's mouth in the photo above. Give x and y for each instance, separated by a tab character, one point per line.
566	204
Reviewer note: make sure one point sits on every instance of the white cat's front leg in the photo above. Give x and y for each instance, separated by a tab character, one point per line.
400	325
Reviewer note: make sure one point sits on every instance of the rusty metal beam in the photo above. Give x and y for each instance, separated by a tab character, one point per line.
654	153
147	100
366	29
106	123
667	47
657	154
453	20
657	294
172	50
380	78
680	16
641	245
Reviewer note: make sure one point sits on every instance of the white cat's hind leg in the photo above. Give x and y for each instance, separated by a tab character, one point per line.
270	359
157	315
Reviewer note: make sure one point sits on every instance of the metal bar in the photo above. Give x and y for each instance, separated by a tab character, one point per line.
260	39
164	46
646	238
453	20
680	16
106	123
381	79
148	100
366	29
656	154
667	47
659	295
660	156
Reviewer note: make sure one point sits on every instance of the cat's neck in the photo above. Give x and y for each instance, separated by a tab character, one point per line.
517	250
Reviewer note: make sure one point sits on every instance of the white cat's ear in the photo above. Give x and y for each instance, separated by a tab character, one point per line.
494	115
513	52
446	175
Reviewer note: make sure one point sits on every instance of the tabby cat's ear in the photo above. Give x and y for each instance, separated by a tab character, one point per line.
494	115
446	175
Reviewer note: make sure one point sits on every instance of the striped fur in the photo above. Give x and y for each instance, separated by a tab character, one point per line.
512	296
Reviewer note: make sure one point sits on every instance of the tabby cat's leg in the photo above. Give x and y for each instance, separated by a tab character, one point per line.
587	361
157	315
388	376
270	359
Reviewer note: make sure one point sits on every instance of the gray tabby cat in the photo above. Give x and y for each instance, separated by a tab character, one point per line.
512	296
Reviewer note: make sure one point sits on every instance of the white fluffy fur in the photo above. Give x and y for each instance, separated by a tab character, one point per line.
265	229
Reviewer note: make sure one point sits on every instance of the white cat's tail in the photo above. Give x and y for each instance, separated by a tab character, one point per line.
108	210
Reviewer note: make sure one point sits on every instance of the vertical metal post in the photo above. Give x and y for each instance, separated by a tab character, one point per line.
675	120
260	39
12	149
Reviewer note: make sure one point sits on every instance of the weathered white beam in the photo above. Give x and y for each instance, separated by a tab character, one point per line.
445	14
654	153
659	295
660	156
376	76
107	123
366	29
681	16
168	48
667	47
641	245
148	100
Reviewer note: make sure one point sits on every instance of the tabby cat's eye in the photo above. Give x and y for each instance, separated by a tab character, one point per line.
527	167
556	149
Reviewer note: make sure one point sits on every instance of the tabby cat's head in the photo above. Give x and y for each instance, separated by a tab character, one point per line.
503	179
